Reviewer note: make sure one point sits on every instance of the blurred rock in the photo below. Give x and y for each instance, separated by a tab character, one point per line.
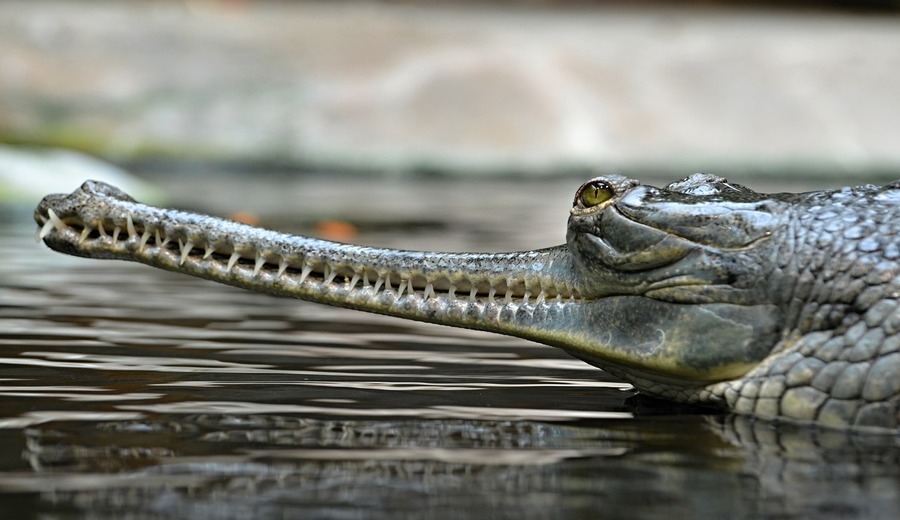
398	87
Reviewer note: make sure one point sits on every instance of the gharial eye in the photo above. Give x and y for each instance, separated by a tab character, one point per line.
594	193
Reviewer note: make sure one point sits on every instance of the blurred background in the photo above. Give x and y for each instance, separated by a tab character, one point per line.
787	92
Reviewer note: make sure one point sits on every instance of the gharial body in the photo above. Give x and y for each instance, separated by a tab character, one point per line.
783	306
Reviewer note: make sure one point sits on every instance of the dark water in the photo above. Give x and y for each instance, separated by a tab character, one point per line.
131	393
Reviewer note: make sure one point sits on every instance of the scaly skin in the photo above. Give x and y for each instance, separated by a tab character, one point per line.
782	306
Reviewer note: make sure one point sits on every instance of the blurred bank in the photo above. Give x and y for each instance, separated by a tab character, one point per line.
520	88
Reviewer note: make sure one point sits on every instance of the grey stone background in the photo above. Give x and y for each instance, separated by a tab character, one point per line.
465	88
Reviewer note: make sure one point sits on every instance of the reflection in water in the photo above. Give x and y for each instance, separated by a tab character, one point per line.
123	388
223	465
798	470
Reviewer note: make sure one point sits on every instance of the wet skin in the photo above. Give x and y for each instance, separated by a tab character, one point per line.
783	306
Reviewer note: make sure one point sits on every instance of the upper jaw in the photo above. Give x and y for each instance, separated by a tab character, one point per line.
99	221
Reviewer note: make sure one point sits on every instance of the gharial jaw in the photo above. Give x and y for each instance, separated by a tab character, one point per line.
520	293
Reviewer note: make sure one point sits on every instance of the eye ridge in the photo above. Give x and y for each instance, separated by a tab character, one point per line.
594	193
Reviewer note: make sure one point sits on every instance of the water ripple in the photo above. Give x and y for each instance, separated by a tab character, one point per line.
28	419
432	412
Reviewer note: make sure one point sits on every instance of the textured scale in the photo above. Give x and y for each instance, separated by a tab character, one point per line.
836	271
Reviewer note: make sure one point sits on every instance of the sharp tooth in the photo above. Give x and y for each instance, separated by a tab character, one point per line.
379	283
165	241
57	223
429	291
209	251
305	273
354	280
472	293
540	299
232	260
145	237
129	225
45	230
100	229
401	288
451	292
282	266
330	273
158	238
491	293
84	234
527	295
507	298
366	279
260	262
115	235
387	282
185	250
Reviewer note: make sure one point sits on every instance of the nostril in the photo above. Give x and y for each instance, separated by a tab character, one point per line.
101	188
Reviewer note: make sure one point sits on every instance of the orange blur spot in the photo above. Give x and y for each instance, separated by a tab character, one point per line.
336	229
245	217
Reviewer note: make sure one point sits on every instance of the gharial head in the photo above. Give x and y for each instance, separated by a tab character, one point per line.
675	279
661	287
693	236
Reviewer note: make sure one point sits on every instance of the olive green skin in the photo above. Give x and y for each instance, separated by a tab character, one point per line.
782	306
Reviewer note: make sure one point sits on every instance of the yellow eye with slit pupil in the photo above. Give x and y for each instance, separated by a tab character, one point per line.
595	193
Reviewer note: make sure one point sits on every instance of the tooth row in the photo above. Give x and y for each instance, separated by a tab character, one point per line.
352	279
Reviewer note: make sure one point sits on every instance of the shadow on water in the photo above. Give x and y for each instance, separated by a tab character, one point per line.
124	389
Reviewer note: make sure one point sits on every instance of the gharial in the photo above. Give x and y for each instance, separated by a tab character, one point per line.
783	306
